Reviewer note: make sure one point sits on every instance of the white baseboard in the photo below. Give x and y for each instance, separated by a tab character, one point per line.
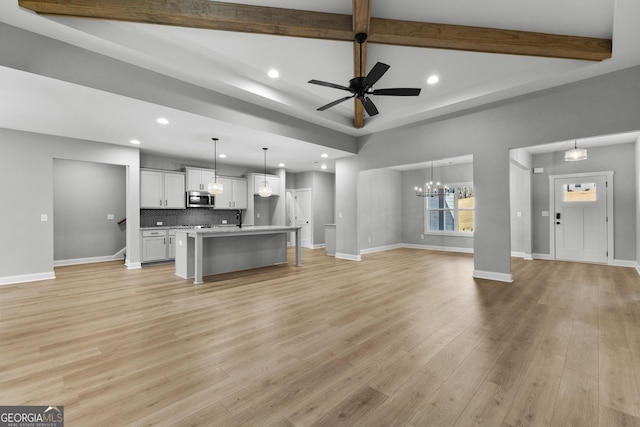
348	257
133	265
379	249
8	280
638	267
625	263
490	275
523	255
438	248
543	256
319	246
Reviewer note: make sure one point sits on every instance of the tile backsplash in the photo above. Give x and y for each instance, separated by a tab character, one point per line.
193	216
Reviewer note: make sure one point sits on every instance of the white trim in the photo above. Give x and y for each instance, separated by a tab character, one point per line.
490	275
379	249
638	267
8	280
624	263
468	234
609	207
438	248
133	265
348	257
520	254
76	261
543	256
318	246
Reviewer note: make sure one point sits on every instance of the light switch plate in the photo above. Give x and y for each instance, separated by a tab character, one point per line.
44	217
545	213
110	217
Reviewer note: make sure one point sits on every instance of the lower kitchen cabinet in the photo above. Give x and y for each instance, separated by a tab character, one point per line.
158	245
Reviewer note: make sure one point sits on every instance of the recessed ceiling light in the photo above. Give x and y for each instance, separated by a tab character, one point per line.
280	165
162	121
223	156
323	167
135	141
433	79
273	73
324	155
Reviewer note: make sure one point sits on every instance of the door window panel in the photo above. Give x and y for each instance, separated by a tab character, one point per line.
580	192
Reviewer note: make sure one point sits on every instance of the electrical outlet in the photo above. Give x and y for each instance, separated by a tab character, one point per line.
422	236
44	217
159	223
110	217
224	221
369	239
258	215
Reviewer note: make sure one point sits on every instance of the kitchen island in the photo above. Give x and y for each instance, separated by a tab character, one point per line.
206	251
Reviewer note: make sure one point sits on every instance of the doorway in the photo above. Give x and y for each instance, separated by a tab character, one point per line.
581	223
299	213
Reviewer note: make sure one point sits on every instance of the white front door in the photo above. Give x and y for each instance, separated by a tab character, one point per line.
580	218
303	216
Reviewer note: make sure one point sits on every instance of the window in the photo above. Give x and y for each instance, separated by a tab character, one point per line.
583	192
451	210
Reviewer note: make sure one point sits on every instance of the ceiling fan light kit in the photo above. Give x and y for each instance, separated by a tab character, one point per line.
361	87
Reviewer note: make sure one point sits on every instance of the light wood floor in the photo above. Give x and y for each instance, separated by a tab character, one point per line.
404	337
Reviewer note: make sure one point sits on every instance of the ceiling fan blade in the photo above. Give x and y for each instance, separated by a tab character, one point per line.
369	106
336	102
327	84
400	91
375	74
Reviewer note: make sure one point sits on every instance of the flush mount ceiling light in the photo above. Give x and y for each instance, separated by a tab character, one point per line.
433	79
575	154
430	189
264	190
273	73
215	188
162	121
135	142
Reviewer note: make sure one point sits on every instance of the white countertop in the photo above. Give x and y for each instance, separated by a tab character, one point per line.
250	229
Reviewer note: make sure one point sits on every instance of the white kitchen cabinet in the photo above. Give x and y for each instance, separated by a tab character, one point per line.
158	245
171	247
154	245
272	180
234	194
198	179
162	190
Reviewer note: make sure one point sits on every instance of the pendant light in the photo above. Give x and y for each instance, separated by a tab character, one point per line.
575	154
430	190
215	188
264	190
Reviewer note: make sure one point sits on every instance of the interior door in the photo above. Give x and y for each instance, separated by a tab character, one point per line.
302	201
581	218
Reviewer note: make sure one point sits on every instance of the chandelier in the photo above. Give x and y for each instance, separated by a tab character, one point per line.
430	189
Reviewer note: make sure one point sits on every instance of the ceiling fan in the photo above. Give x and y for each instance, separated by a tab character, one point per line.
360	87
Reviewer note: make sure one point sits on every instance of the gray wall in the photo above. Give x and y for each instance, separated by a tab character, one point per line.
617	158
84	193
379	208
413	207
520	202
27	185
603	105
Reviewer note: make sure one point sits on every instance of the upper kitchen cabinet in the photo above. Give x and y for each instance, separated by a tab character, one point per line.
162	190
234	194
272	180
198	179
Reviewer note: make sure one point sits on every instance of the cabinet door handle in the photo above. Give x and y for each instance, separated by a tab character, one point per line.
160	202
165	241
165	203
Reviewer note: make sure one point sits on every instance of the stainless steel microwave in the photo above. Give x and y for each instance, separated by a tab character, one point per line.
199	199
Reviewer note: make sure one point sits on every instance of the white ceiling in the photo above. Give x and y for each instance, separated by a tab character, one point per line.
235	64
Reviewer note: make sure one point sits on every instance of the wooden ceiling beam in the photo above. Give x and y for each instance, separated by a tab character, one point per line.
361	24
204	14
299	23
488	40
